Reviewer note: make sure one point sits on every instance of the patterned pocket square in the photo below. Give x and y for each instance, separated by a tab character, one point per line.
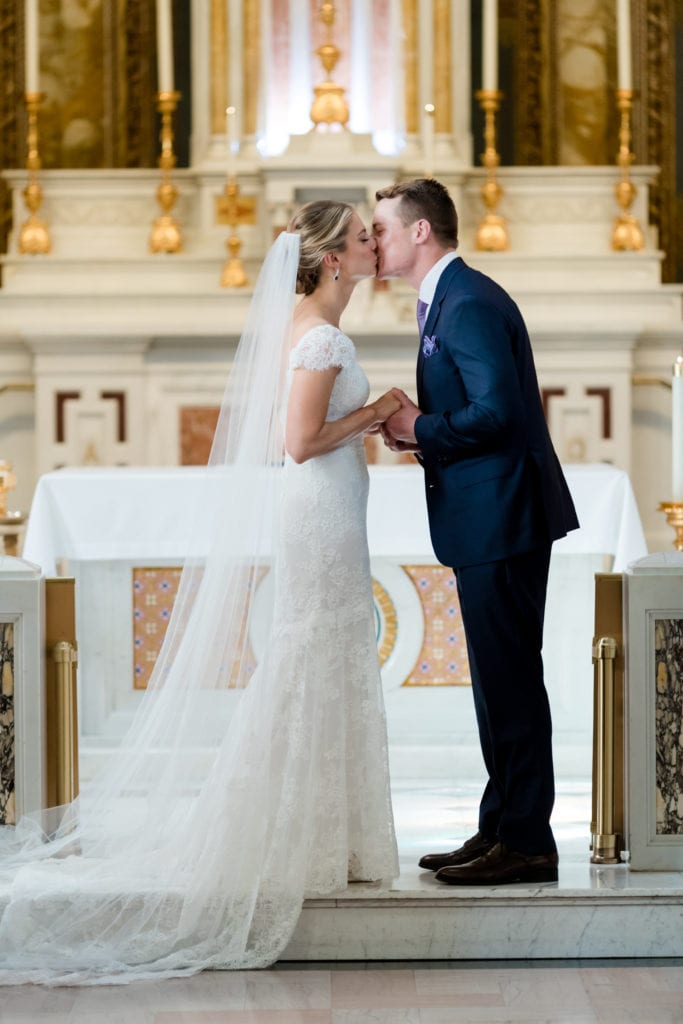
430	345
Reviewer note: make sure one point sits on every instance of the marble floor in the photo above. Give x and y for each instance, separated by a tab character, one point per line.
550	992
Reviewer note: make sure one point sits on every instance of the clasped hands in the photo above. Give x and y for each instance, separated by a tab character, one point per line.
398	430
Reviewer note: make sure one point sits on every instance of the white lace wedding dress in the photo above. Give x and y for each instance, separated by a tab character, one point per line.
206	865
324	610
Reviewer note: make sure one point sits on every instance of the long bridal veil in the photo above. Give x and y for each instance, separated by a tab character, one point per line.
184	853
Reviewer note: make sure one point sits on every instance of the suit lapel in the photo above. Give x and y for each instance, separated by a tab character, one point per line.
433	315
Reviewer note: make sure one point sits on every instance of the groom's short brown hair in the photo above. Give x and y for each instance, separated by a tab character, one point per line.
429	199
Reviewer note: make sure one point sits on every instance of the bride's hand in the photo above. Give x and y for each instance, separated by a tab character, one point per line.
386	406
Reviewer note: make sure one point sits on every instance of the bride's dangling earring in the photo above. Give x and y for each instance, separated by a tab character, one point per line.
335	276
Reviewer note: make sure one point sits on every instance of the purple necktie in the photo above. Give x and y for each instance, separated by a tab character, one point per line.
422	308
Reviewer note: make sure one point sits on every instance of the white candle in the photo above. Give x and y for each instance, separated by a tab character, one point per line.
677	431
489	43
429	140
164	46
624	75
231	132
31	45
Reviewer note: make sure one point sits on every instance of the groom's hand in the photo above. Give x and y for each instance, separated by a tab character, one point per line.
400	446
397	446
400	427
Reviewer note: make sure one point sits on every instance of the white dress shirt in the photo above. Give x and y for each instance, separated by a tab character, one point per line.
431	278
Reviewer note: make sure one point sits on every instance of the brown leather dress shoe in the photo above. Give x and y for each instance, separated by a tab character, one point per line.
500	866
470	850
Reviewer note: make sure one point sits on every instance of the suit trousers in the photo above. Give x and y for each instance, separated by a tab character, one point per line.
502	605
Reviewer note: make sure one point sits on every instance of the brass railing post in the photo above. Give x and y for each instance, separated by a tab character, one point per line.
65	657
605	842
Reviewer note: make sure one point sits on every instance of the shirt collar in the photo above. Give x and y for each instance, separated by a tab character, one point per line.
431	278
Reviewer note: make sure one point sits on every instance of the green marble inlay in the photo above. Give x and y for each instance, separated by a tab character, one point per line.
7	759
669	725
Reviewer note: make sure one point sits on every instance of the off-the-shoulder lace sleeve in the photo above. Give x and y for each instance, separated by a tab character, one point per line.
321	348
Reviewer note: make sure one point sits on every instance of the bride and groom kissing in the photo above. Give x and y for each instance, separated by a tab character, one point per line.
197	843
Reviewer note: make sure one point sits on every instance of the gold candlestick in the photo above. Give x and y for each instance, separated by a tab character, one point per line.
673	510
165	236
627	235
11	523
34	237
233	209
492	235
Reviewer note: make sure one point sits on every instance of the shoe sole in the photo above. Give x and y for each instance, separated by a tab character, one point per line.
536	878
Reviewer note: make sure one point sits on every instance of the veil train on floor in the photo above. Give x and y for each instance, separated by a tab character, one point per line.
183	854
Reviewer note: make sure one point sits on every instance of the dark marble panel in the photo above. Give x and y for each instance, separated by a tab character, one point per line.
7	759
669	725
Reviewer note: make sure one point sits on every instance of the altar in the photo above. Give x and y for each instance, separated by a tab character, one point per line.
123	533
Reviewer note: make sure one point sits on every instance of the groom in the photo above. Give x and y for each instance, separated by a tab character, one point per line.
497	500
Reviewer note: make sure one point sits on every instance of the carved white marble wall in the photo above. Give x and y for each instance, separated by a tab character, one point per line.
119	344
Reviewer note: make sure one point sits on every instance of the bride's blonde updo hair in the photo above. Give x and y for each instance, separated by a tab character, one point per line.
322	227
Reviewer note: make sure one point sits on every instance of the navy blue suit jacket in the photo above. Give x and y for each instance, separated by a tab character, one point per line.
494	485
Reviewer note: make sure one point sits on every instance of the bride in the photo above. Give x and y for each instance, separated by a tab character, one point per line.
236	795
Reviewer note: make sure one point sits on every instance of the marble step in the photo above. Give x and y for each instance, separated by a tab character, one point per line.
616	913
593	911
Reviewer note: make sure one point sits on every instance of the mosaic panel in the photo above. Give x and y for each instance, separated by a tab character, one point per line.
386	621
669	725
443	658
154	592
7	759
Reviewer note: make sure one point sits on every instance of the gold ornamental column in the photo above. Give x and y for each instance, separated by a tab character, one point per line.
425	84
442	68
251	67
248	52
410	63
429	63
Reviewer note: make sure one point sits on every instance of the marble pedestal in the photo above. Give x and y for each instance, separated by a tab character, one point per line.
654	730
22	691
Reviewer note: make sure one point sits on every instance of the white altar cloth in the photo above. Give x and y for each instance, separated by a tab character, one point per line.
103	522
104	514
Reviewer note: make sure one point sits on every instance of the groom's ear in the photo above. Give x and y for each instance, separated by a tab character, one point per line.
422	231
